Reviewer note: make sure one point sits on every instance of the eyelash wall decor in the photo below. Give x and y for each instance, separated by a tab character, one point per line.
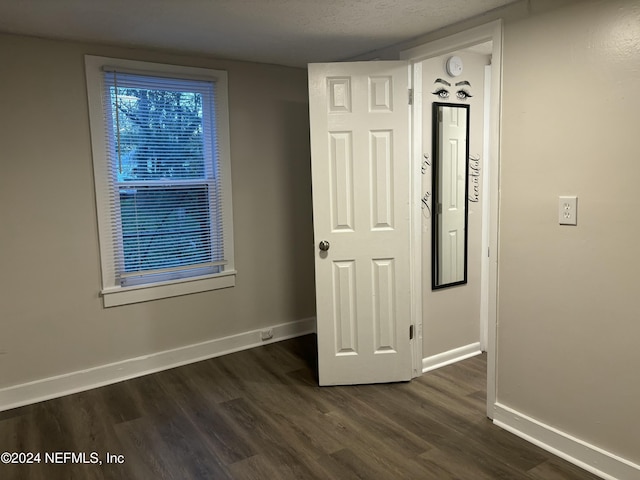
442	92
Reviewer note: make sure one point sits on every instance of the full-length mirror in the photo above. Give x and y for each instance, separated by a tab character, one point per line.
450	185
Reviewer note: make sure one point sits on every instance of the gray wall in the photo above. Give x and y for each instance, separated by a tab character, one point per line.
51	317
569	316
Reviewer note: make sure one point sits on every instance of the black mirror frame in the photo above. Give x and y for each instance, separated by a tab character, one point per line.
436	195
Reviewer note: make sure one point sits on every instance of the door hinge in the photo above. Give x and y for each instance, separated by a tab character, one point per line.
410	332
411	96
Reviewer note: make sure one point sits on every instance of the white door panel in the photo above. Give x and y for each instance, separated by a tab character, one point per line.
359	116
453	183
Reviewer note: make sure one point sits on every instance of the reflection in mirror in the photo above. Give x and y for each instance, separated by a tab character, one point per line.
450	177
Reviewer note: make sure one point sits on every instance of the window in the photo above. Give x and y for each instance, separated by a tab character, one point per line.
160	141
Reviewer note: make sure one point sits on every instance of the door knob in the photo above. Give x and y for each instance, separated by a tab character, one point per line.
324	245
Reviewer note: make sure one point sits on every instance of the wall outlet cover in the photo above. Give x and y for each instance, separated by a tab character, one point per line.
568	210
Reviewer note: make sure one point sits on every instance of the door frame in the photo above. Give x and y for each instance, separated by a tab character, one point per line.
493	32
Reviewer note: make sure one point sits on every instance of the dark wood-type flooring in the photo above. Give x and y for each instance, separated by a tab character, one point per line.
259	414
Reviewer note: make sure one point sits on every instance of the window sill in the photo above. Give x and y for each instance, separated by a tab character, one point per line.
115	296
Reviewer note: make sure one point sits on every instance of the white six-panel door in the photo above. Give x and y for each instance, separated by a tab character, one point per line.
359	114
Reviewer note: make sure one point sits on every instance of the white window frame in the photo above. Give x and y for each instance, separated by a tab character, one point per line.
112	292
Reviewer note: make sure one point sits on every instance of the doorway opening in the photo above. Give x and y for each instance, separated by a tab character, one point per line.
426	60
366	148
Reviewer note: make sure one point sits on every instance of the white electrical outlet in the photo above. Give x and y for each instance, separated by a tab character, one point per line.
568	210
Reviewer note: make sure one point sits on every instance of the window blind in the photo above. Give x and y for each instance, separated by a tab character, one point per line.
164	199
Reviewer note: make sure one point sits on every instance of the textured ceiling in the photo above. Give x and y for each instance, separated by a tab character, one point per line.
285	32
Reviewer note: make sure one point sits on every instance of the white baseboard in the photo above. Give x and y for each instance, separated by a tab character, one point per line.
449	357
60	385
587	456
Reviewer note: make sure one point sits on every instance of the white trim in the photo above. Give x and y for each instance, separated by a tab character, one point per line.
486	212
495	134
458	41
489	32
451	356
591	458
415	226
60	385
115	296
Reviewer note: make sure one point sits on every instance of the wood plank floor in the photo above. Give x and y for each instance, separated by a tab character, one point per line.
259	414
